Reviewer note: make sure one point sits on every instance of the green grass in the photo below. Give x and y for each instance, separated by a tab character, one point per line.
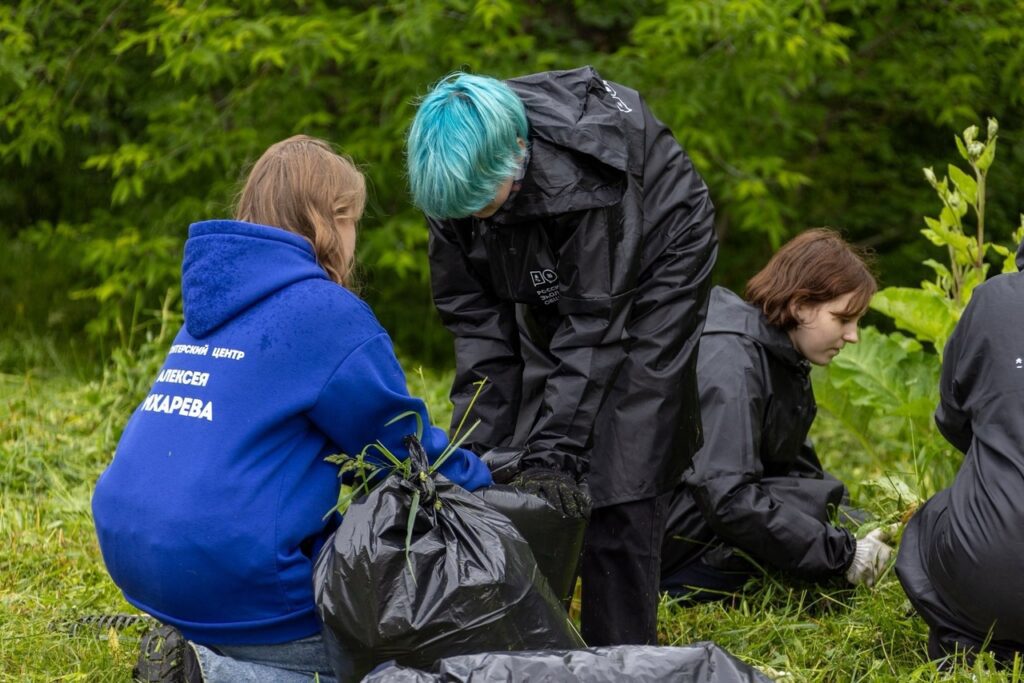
58	429
54	440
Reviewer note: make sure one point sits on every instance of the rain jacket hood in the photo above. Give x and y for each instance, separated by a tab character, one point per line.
564	298
566	108
730	314
756	484
569	110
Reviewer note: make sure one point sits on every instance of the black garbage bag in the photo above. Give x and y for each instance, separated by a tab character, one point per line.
556	540
462	581
702	662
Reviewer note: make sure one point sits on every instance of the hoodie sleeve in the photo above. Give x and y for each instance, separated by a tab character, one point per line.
486	341
727	477
634	292
368	390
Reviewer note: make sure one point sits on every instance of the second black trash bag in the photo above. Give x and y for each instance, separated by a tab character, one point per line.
461	580
702	662
556	540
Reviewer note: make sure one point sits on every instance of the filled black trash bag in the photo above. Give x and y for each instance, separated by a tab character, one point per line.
467	583
556	540
702	662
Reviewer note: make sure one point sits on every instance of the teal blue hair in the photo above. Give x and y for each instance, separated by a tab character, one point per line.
463	144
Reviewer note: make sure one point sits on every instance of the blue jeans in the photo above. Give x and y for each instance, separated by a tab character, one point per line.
298	661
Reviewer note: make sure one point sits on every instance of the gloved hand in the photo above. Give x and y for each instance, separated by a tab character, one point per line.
869	559
558	488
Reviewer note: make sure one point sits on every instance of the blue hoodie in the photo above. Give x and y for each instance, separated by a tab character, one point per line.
212	511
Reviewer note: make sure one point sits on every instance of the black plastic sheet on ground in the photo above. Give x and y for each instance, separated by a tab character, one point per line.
702	662
466	582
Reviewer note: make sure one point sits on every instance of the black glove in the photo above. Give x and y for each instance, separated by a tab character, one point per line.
556	487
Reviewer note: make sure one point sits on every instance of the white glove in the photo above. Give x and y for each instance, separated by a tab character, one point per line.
869	559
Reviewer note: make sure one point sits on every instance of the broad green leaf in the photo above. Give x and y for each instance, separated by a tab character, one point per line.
948	219
935	236
940	269
924	314
962	148
967	185
837	402
972	278
988	156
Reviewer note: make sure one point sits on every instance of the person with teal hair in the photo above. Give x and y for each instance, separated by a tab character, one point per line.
466	146
571	247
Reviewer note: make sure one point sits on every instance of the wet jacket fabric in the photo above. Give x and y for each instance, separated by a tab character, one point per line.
961	558
581	300
211	513
757	484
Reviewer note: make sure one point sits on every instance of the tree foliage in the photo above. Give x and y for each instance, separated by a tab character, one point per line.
124	122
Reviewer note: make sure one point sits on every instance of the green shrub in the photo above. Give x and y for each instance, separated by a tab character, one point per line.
885	389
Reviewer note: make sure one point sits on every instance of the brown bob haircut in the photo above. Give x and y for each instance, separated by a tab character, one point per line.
814	267
303	186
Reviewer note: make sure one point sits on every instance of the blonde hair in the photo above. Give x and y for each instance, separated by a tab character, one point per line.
303	186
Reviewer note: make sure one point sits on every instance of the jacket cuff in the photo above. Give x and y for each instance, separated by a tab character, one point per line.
573	465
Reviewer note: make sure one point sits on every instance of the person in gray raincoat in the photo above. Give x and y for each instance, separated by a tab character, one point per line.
571	244
961	559
757	490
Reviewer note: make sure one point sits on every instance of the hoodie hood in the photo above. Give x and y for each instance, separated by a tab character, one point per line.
231	265
729	314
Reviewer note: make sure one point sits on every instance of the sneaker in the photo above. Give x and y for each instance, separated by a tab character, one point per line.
165	657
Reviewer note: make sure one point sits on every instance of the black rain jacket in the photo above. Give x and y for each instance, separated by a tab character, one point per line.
582	299
757	484
961	559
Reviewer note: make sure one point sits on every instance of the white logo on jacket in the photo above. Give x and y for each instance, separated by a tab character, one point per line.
546	283
622	106
542	277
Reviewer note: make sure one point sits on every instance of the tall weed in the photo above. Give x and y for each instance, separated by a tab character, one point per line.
885	389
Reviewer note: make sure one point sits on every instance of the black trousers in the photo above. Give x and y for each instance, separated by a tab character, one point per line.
943	642
699	582
621	573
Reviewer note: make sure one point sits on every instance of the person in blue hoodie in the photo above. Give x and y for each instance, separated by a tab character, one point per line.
211	514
